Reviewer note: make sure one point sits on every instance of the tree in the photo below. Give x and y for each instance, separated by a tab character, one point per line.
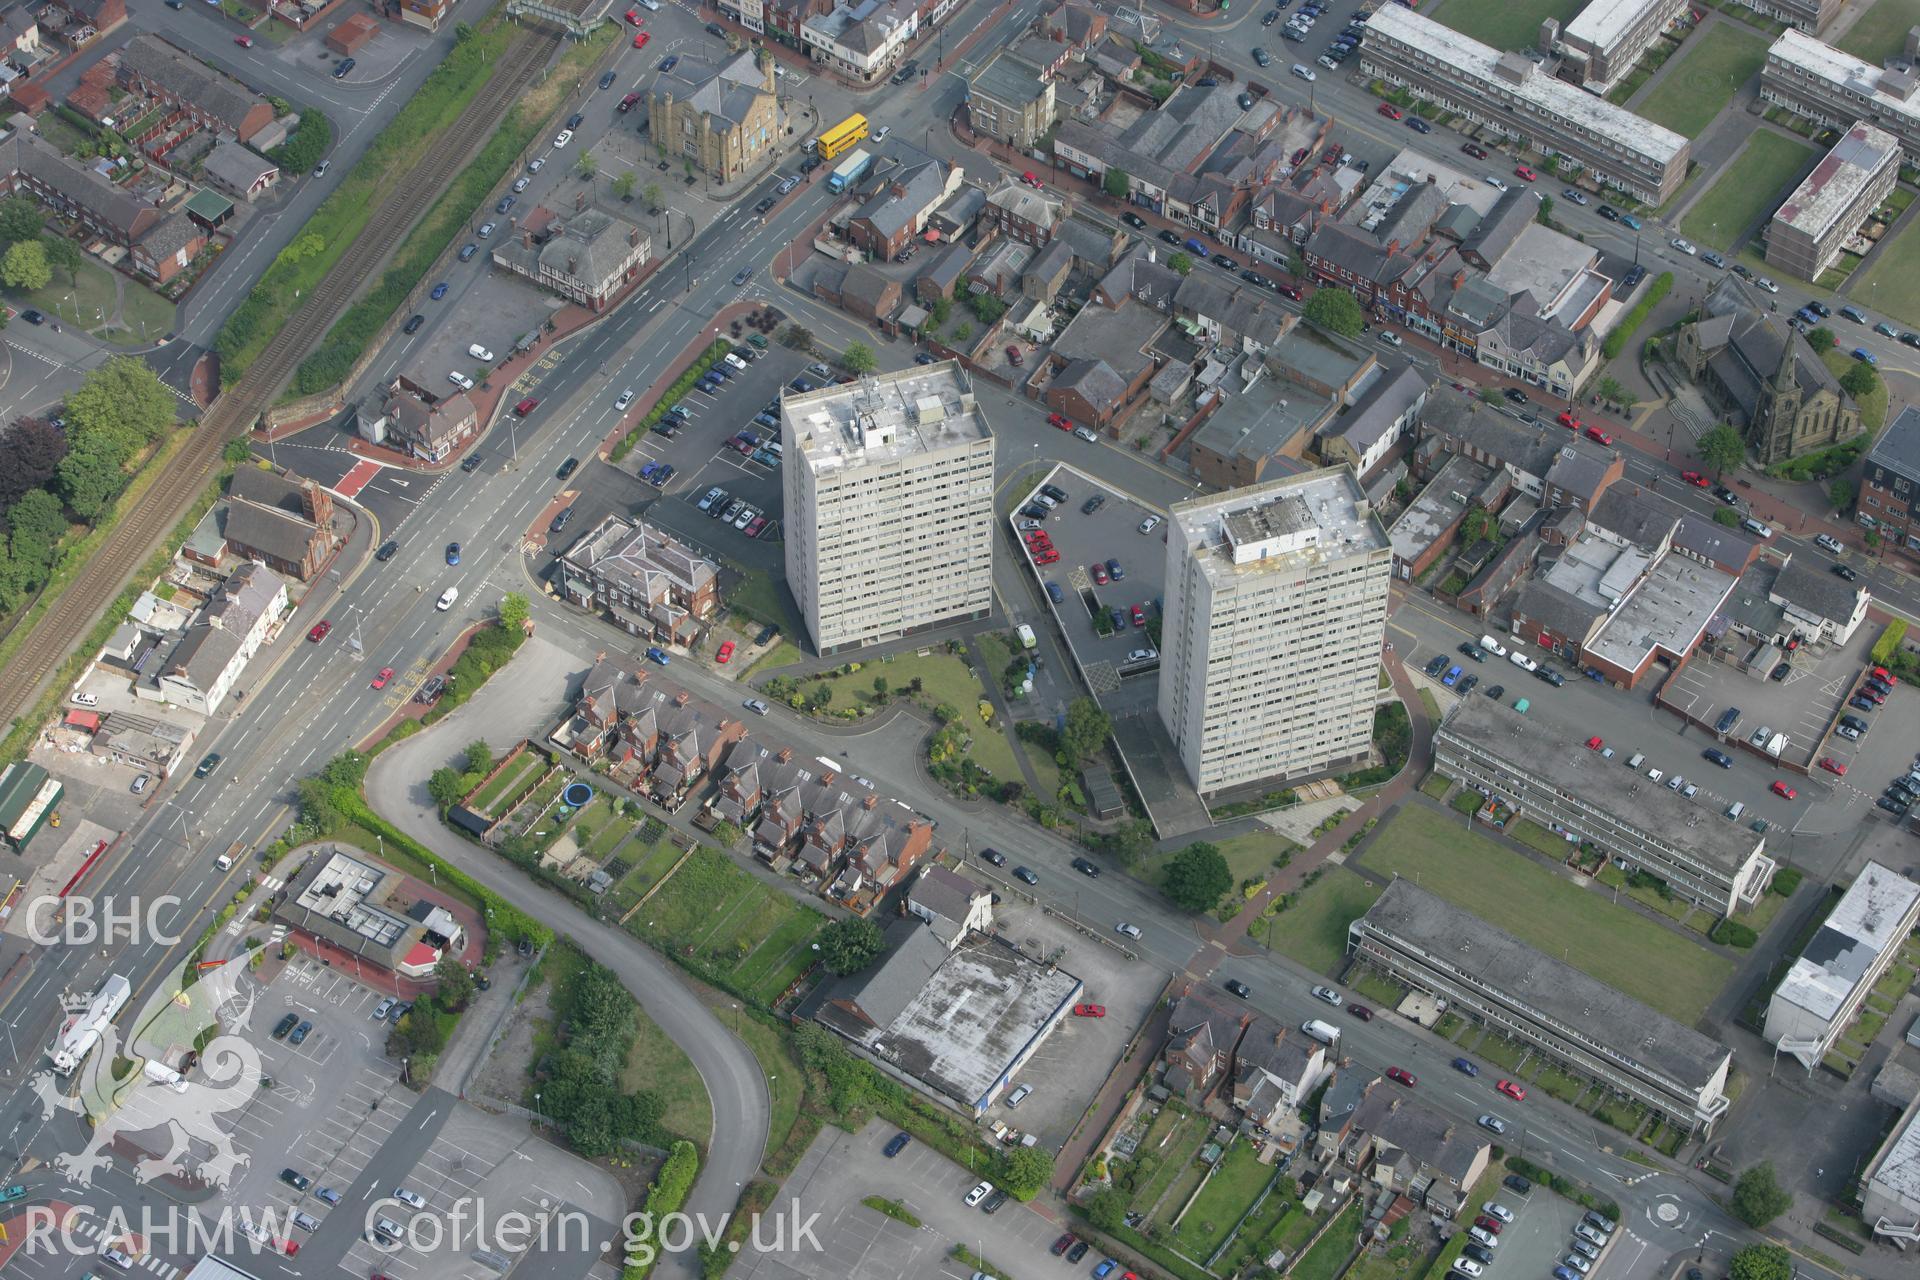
479	757
588	164
25	266
651	194
125	397
1611	389
1762	1262
1086	730
858	359
1180	262
1722	449
1107	1210
319	807
941	309
20	219
1196	877
1821	340
624	183
726	834
1758	1198
513	611
1840	494
1859	381
1489	396
446	786
36	524
1115	183
879	688
92	475
63	255
33	448
848	946
822	694
1130	841
985	307
1026	1172
455	983
1544	215
1728	517
799	337
1336	311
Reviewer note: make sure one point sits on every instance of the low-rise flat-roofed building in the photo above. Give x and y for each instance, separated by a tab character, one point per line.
1508	93
1823	213
1811	16
1853	947
1890	1192
1604	41
1544	771
1818	81
1488	974
1276	600
889	505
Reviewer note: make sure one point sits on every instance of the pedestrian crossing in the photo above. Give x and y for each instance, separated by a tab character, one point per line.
87	1229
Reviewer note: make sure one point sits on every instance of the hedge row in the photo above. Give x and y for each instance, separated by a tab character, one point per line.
1565	1186
1889	642
1617	340
681	386
308	145
665	1194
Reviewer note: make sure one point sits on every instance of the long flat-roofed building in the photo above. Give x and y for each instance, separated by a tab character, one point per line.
1820	82
889	505
1507	92
1811	16
1604	41
1276	600
1488	974
1890	1191
1813	225
1819	996
1544	771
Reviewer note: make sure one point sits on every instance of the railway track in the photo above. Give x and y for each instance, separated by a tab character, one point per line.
189	472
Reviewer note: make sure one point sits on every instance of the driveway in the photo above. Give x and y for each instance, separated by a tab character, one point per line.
396	787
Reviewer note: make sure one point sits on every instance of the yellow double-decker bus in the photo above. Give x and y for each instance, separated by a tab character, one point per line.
841	136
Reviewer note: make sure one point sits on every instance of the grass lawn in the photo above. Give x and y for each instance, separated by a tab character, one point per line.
1747	192
1436	787
1324	1260
1175	1154
1228	1195
1504	24
657	1063
1881	32
1541	908
1250	856
1897	267
786	1084
763	599
1873	405
1699	87
749	935
1313	931
783	654
1539	839
507	783
1502	1052
944	678
89	302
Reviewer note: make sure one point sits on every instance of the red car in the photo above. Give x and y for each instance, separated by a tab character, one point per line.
245	42
1099	572
1566	419
1060	420
1288	290
726	652
1599	436
1089	1011
380	681
640	41
1014	357
633	17
1489	1224
1695	479
1782	790
527	406
1523	173
1477	152
1833	766
1594	744
1390	111
1049	556
1139	616
1512	1090
1885	676
319	631
1030	180
1400	1075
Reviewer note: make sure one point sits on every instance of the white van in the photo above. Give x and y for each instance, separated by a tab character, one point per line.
447	598
1734	810
1324	1032
479	352
1303	71
1493	646
224	862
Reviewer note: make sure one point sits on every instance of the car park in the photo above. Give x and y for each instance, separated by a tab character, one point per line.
980	1192
1481	1236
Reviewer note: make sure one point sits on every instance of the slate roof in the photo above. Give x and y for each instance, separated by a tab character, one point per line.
945	893
1379	408
1557	610
1744	349
177	232
185	77
1390	1116
109	202
1898	449
1023	203
1353	250
202	656
725	92
1635	515
247	594
1095	380
890	213
1816	591
1497	232
1579	469
236	166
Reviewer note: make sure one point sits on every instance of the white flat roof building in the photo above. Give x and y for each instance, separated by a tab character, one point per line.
1608	37
1276	601
1818	81
889	505
1505	91
1853	947
1814	223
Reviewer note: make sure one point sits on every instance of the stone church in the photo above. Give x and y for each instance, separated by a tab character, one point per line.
1763	376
